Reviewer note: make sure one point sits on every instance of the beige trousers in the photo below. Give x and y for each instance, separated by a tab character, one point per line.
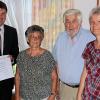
67	92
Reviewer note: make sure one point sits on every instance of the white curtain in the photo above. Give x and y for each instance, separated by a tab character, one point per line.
46	13
49	14
19	16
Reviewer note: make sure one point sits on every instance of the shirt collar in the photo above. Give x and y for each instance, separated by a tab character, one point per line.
77	36
2	27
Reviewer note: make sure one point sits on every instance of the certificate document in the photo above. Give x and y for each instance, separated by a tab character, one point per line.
6	70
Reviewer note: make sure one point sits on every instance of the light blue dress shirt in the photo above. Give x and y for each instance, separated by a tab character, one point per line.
68	55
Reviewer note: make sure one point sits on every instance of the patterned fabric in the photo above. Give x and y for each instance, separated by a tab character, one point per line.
35	75
92	84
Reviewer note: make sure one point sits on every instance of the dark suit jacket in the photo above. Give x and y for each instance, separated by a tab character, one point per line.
10	48
10	42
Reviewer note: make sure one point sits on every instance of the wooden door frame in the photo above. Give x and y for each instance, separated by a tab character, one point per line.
98	3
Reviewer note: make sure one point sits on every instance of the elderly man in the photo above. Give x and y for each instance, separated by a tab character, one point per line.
67	52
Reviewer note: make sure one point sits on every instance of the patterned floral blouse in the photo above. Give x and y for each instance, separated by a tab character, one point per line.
92	82
35	75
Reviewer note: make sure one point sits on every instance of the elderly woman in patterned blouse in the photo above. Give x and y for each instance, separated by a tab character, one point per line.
36	75
90	80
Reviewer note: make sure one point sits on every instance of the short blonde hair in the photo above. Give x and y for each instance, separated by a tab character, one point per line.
94	11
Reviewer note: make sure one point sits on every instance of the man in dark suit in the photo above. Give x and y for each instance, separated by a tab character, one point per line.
9	46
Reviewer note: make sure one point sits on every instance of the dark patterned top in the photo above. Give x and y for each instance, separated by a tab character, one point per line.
35	75
92	83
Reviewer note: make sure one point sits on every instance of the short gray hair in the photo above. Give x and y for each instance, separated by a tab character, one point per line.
73	12
94	11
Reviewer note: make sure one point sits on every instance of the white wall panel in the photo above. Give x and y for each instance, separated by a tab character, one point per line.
85	6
